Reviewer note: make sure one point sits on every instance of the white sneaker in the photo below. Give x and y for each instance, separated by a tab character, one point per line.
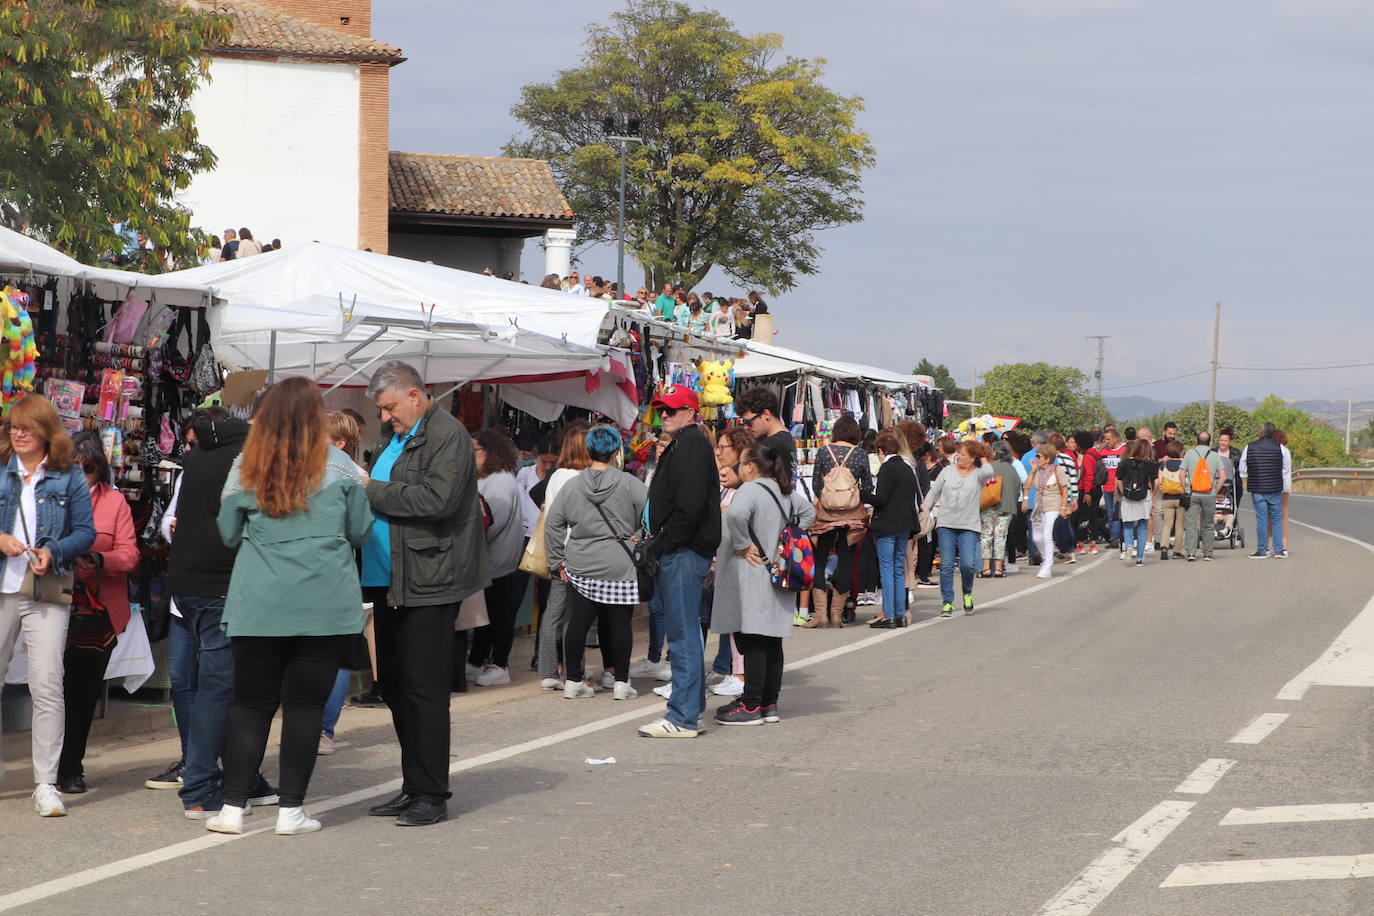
1149	548
666	691
607	680
493	676
47	801
729	687
646	668
551	683
662	728
578	690
1043	574
472	670
227	819
294	822
624	691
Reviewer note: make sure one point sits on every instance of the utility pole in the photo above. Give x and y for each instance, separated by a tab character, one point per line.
1349	401
612	130
1216	348
1101	357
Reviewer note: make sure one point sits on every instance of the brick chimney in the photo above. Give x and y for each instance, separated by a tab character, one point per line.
352	17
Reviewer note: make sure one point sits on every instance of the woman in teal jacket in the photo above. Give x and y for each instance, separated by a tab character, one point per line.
294	507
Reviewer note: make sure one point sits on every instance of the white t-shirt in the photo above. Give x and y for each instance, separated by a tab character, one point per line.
17	567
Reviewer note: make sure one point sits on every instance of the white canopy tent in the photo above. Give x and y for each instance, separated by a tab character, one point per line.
19	252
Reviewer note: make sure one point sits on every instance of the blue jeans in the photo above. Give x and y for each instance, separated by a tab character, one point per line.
333	706
967	545
655	628
891	573
183	670
1113	520
1135	533
1268	511
681	579
202	780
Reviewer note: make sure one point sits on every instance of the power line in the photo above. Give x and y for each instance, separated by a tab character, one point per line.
1309	368
1160	381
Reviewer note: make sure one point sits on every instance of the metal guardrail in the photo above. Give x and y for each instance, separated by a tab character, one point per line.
1334	474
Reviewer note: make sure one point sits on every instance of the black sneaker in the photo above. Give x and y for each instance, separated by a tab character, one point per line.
1164	554
899	621
738	714
926	583
169	778
371	698
1259	555
71	785
770	713
1281	555
1192	557
880	623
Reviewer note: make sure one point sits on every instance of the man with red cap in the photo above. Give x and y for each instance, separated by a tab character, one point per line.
684	524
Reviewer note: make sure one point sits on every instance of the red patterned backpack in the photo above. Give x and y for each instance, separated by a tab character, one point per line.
792	566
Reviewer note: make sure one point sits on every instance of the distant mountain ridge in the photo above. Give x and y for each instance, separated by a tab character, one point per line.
1137	407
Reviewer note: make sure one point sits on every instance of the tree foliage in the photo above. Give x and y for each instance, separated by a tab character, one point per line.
746	155
1043	396
1312	443
944	379
1192	419
95	121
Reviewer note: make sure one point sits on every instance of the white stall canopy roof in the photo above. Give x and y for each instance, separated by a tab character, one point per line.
19	252
315	278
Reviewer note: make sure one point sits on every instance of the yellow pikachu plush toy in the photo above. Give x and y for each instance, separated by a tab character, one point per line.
715	382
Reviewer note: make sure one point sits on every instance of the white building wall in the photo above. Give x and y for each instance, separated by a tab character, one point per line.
286	134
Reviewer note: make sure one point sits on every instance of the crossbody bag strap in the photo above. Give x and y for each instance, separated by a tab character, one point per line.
618	538
787	519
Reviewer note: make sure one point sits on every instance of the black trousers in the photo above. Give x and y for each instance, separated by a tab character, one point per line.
415	660
295	674
762	668
492	642
83	679
836	540
868	565
613	624
926	549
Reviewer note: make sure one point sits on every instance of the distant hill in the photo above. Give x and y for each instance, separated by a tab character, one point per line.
1135	407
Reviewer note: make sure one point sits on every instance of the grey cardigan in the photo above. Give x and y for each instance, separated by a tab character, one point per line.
577	536
745	600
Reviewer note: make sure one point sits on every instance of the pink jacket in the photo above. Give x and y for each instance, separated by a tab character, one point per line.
115	542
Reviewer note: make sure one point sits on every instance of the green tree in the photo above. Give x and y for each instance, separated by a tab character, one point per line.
944	379
746	154
1312	443
95	118
1192	419
1043	396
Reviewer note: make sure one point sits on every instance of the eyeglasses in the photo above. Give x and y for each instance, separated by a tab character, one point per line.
20	430
750	420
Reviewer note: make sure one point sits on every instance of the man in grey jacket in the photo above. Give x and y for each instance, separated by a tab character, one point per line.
426	553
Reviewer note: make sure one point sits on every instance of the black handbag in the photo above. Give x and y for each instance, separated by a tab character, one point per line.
645	577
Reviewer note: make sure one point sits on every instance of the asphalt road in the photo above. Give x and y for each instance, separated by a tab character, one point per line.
1082	745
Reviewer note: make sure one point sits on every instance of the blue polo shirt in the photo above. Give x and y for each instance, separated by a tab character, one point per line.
377	549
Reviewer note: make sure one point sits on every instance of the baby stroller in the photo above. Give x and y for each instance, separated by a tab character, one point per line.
1228	528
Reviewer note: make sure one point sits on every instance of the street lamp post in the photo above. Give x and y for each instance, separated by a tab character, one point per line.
629	134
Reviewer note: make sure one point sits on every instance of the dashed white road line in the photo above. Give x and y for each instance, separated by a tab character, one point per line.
1205	777
1260	728
642	713
1311	868
1298	814
1130	847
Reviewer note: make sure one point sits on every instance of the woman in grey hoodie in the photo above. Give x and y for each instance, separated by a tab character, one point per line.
588	532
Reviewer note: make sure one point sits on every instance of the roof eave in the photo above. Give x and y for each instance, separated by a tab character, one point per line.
307	55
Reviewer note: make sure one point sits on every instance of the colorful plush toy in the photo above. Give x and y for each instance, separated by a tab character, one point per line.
20	351
715	382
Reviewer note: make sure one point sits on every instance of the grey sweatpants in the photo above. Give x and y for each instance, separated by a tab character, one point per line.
1201	519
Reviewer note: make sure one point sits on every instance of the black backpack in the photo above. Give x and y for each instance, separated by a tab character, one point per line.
1135	480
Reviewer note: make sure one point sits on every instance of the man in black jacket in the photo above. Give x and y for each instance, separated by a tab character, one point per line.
684	519
1267	468
199	580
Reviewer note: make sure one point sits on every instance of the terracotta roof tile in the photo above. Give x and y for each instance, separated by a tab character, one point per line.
475	186
261	29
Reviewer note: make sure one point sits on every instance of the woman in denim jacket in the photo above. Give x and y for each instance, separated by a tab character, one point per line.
45	524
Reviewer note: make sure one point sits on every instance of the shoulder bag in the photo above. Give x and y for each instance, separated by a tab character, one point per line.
49	587
535	559
642	573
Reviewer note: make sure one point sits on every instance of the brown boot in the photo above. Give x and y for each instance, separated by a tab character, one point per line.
835	606
818	610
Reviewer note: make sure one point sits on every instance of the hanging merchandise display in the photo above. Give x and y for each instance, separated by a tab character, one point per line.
21	352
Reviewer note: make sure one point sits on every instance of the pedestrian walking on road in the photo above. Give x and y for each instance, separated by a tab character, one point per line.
294	509
996	518
588	534
893	499
1135	485
746	603
496	456
553	618
1204	474
840	518
1267	467
1172	489
425	554
684	527
955	495
1048	485
45	507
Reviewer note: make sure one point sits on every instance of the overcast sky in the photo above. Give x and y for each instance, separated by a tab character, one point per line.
1047	170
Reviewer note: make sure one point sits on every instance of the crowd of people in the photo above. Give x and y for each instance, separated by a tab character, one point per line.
237	244
287	556
703	312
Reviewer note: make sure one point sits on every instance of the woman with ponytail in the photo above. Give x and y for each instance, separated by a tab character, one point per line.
746	603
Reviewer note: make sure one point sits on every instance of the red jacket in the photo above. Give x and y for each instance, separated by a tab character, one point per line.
115	542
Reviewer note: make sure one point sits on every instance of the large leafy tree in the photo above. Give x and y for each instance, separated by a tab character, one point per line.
1312	443
746	154
95	120
1192	419
1043	396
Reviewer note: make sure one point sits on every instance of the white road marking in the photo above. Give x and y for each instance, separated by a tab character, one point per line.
1260	728
642	713
1205	777
1349	661
1312	868
1131	846
1345	499
1298	814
